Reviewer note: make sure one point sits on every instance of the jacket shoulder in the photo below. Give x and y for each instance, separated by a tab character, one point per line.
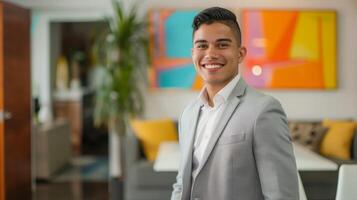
260	100
189	108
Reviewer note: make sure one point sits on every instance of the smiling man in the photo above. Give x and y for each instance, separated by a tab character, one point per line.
234	140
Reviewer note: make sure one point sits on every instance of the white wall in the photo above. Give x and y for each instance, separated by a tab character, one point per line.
299	104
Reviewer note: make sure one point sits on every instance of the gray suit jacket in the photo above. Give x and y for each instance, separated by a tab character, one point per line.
249	156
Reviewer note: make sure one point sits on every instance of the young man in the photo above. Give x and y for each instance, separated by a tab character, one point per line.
234	140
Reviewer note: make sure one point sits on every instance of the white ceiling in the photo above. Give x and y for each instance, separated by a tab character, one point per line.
62	4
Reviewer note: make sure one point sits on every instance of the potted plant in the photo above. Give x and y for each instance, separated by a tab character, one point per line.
120	53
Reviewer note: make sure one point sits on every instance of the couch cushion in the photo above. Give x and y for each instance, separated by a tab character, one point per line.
152	132
142	175
308	134
338	140
354	146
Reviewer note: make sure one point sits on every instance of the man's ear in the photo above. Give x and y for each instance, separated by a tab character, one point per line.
242	53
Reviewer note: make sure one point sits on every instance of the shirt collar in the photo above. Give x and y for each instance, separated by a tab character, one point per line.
221	96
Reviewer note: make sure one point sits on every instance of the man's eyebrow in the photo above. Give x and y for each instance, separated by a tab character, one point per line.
224	40
218	40
200	41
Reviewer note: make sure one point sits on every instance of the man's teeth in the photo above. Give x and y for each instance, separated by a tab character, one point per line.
212	66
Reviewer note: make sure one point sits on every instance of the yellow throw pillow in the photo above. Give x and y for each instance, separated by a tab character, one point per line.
152	132
338	139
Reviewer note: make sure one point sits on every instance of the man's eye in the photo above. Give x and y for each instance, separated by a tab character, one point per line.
223	45
201	46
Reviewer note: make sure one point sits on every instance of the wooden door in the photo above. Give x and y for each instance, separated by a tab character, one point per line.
15	103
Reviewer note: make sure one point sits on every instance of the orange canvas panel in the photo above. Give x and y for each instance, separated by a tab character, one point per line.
282	48
304	75
166	63
161	34
296	49
151	34
151	75
197	85
275	31
163	15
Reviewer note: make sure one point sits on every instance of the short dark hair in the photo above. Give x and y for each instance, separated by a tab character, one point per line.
217	14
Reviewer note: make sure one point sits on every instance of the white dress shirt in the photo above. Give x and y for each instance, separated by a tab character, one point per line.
208	121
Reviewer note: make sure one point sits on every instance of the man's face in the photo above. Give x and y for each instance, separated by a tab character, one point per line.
216	54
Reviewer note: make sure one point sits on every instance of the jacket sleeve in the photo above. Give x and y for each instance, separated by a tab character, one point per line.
274	155
177	186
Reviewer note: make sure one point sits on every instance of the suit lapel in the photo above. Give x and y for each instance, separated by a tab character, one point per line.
232	104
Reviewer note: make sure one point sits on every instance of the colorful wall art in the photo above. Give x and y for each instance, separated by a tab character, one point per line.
287	49
290	49
170	49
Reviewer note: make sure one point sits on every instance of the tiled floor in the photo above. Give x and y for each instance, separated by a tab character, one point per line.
84	178
84	168
74	190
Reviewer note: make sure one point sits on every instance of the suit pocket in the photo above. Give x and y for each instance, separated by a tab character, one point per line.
231	139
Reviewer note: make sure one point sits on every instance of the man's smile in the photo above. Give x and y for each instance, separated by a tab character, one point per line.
212	66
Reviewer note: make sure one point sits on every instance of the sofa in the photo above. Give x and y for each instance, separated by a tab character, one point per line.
320	184
141	182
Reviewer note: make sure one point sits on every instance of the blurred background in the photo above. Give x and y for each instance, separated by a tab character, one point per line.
90	89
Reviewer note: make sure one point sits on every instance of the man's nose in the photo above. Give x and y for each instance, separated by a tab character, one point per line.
211	52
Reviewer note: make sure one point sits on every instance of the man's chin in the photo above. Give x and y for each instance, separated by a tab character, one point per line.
214	82
217	81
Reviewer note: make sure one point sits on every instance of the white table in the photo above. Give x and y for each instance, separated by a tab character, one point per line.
168	159
307	160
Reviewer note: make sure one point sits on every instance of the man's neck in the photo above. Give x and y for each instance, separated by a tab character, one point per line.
212	90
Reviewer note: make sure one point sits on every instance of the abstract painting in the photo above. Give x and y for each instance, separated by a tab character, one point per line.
170	49
290	49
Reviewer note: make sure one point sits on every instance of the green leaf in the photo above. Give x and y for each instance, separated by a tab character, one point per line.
121	51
